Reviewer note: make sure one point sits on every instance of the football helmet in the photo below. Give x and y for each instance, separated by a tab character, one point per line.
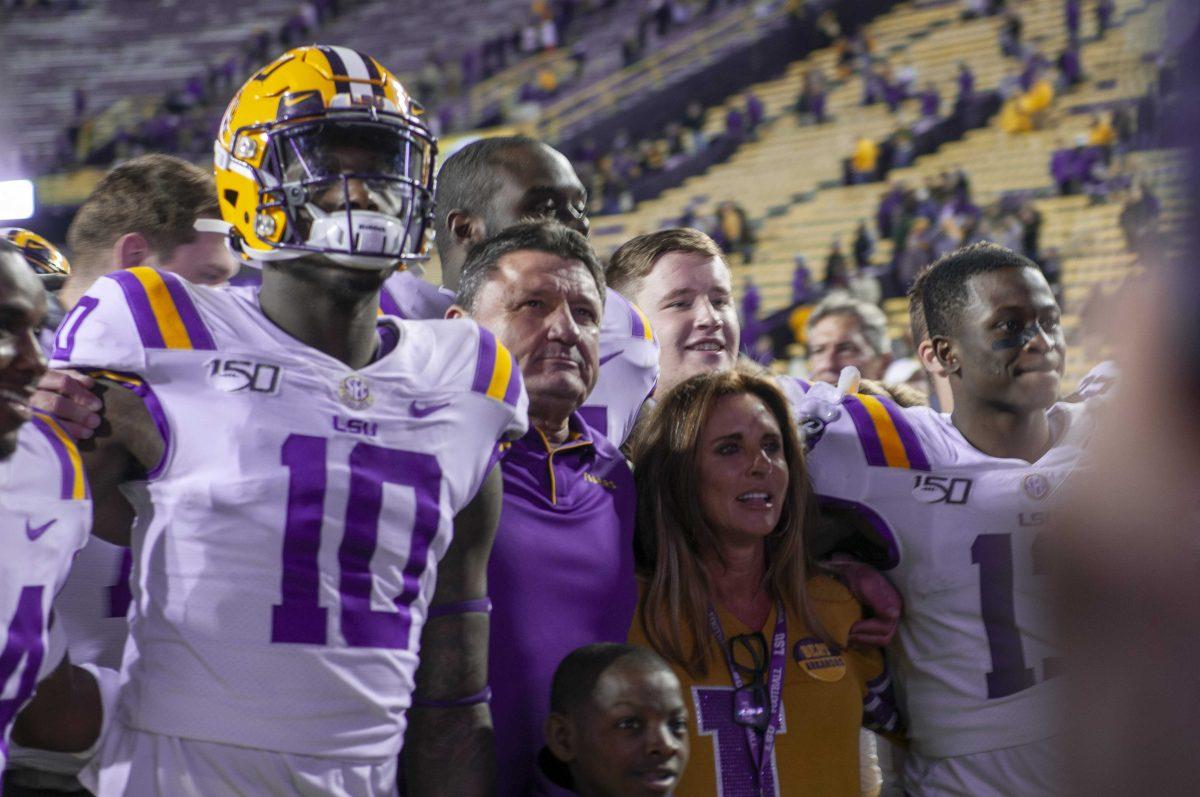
323	151
42	256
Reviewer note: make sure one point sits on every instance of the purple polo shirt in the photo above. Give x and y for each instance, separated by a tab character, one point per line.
560	576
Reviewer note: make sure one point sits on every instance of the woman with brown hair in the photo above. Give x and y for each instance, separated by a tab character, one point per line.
731	599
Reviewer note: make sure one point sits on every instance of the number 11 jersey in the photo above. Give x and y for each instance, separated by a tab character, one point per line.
961	537
287	544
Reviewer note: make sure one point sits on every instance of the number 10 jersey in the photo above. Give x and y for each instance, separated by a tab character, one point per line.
286	547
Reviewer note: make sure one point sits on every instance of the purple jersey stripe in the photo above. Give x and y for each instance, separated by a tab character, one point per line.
486	363
388	305
908	436
514	386
389	339
153	406
66	470
139	305
867	433
192	322
635	321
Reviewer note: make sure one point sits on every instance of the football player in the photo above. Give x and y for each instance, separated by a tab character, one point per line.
153	210
296	464
561	572
960	503
492	184
45	512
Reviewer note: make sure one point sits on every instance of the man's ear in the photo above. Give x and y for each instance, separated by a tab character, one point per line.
454	311
560	737
466	228
131	250
946	354
929	359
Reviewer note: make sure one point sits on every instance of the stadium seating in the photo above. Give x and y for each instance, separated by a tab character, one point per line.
788	179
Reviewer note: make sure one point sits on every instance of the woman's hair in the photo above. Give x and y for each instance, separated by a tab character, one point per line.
673	537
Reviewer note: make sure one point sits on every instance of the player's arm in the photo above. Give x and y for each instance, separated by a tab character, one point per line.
65	713
449	747
124	447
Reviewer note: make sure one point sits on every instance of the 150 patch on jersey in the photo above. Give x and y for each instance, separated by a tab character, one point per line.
941	489
244	376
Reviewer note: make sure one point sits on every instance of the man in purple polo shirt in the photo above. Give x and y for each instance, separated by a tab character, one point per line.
561	570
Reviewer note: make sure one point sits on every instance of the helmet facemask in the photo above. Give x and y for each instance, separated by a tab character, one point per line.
355	185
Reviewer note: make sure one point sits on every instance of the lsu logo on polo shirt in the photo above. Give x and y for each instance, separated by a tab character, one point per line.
819	659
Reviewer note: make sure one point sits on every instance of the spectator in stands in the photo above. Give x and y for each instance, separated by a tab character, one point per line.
836	270
802	291
735	123
1010	35
864	161
715	571
754	112
734	232
864	245
1104	13
1062	168
1072	12
751	302
973	9
617	720
1070	66
1101	135
966	84
1139	218
1031	223
931	101
810	104
844	331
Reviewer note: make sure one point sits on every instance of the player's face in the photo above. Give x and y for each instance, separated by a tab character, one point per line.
1011	349
538	183
22	308
837	341
207	260
743	469
688	297
546	310
633	739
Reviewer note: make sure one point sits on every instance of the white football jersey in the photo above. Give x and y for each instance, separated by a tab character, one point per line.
287	544
960	535
628	351
45	517
92	603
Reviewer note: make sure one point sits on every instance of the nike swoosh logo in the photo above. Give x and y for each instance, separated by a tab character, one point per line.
33	532
608	357
419	411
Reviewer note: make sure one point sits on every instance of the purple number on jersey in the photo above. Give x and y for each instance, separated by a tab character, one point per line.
731	753
299	618
64	339
23	643
1009	675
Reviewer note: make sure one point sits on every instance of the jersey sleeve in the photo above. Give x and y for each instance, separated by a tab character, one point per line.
469	360
125	314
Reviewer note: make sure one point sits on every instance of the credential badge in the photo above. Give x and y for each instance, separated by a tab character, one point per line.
355	392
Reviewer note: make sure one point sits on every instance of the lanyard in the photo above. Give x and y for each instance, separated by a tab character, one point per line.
760	758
